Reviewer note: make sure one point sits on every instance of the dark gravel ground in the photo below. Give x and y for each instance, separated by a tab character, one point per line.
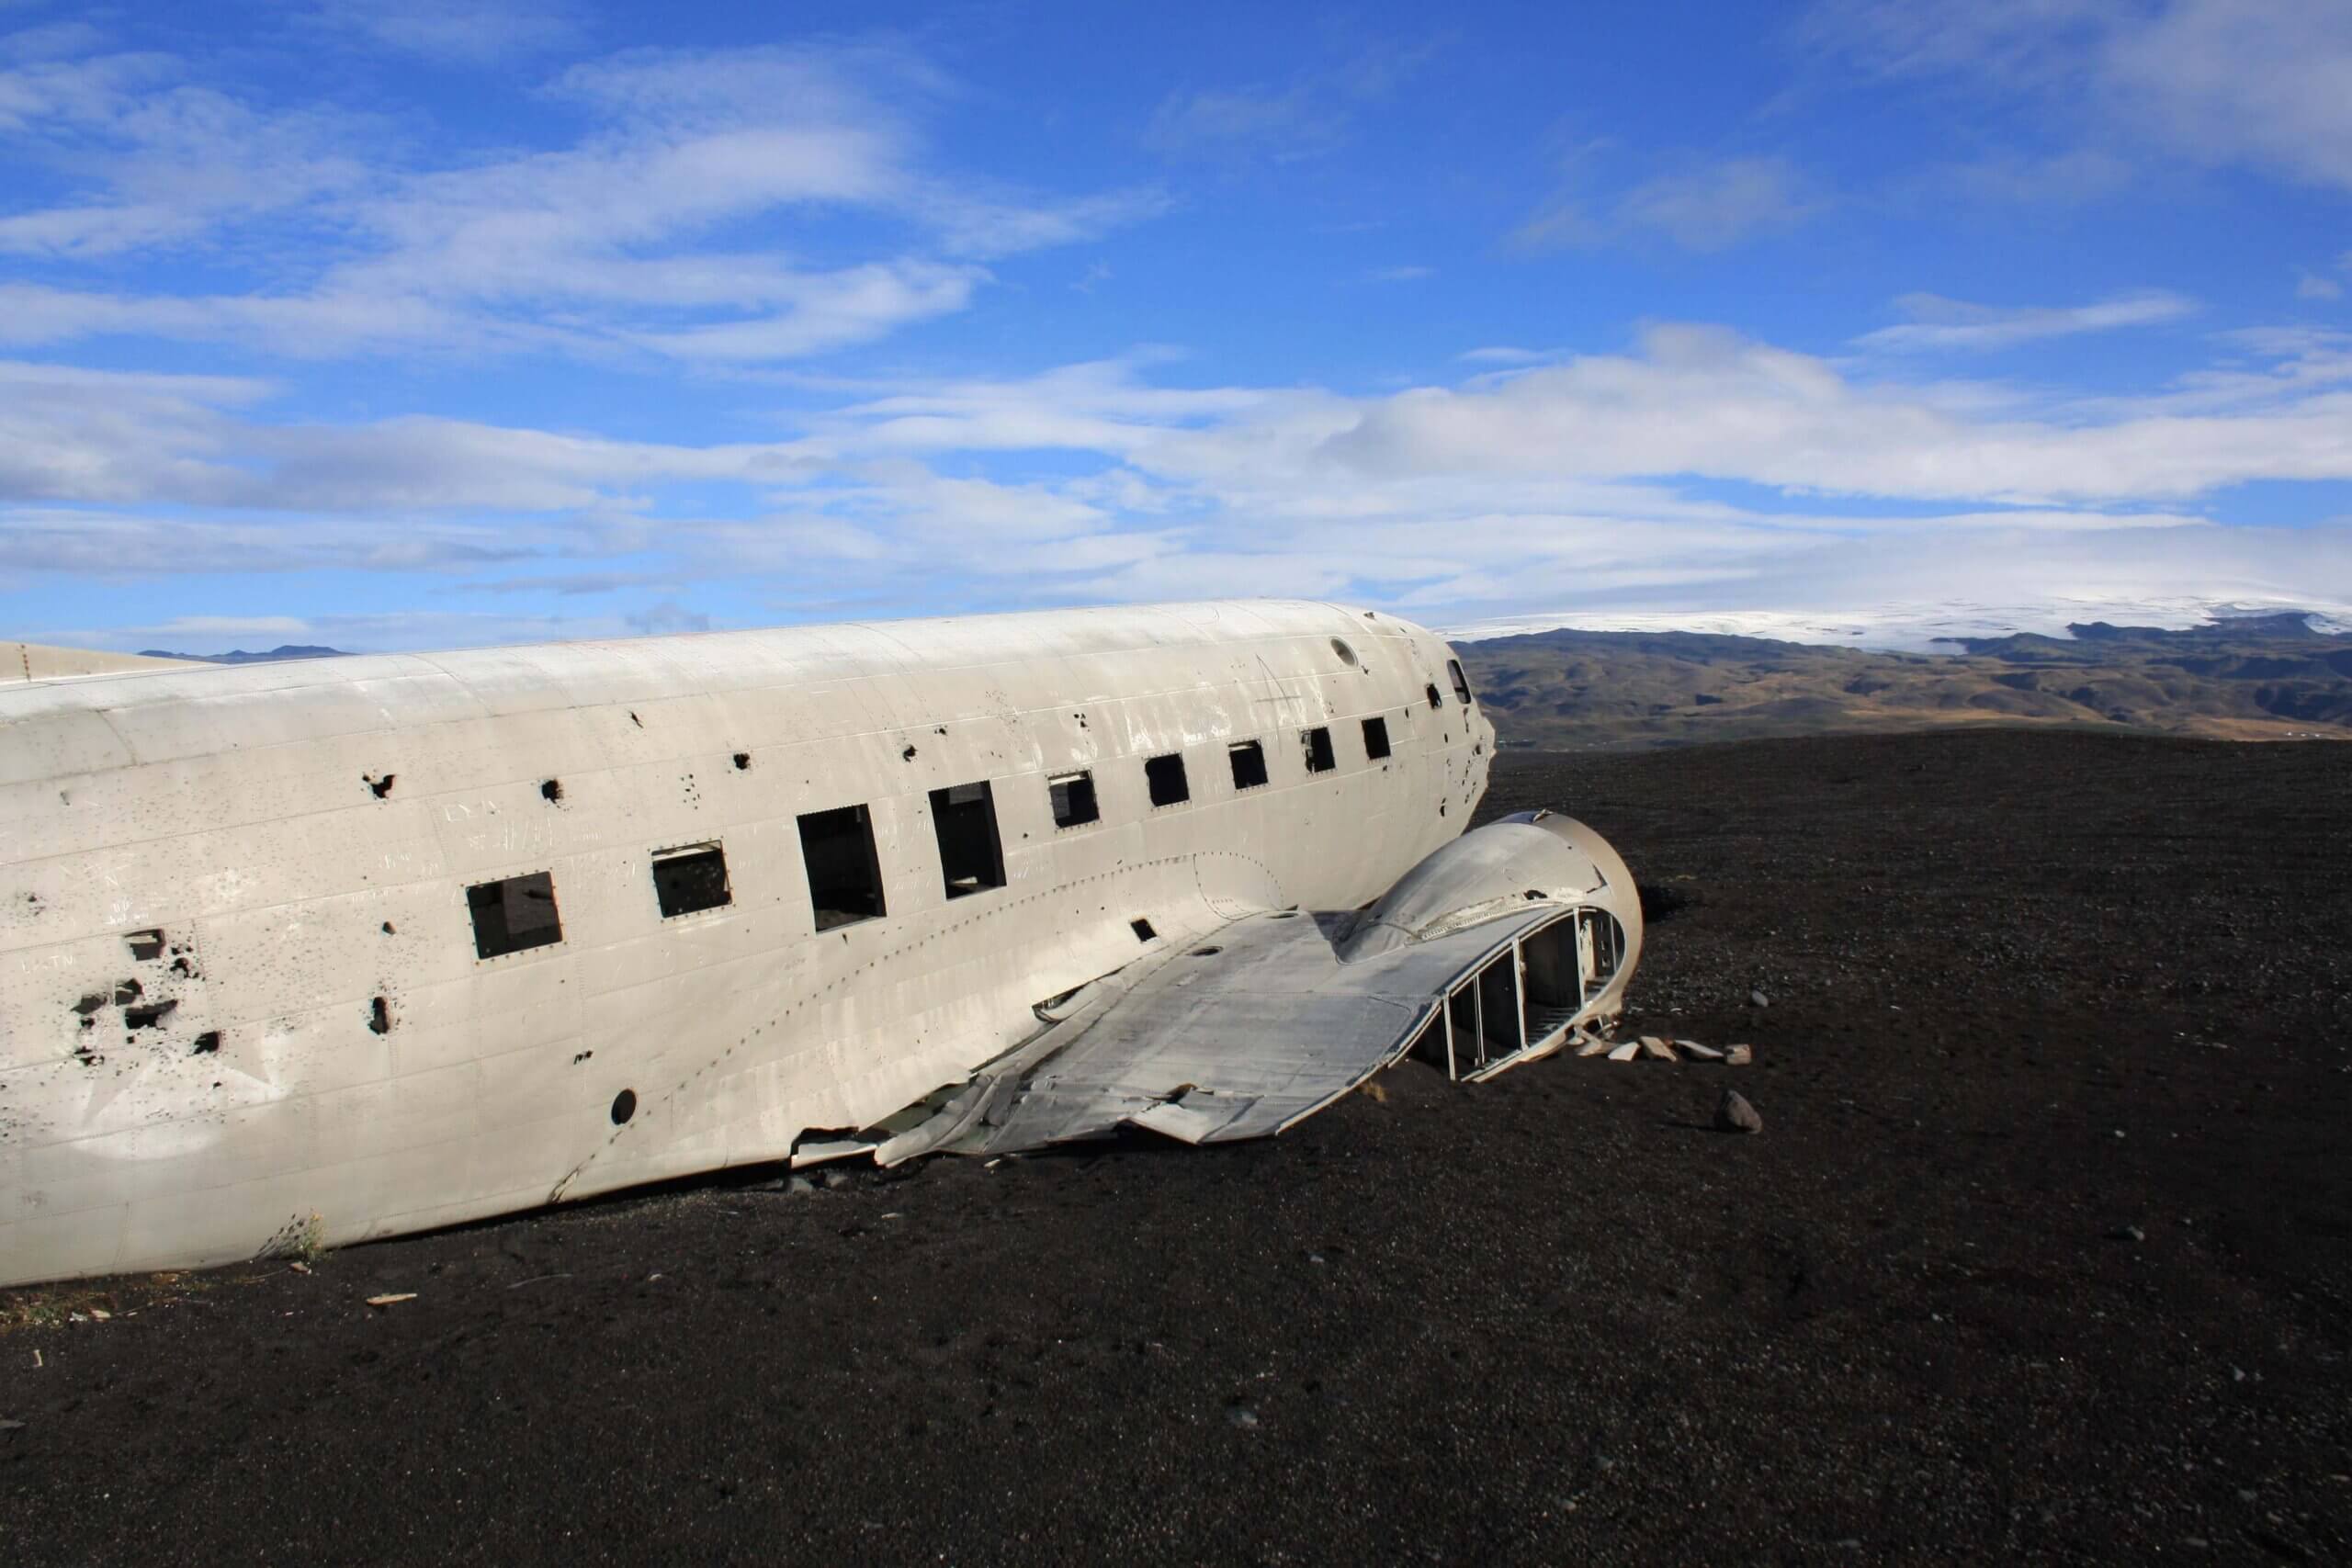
2041	1252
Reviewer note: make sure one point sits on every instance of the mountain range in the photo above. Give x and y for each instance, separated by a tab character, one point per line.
2271	677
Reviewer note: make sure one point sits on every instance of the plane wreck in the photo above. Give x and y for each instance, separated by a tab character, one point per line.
362	946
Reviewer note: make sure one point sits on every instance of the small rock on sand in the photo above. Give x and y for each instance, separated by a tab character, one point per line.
1758	999
1733	1114
1702	1053
1738	1055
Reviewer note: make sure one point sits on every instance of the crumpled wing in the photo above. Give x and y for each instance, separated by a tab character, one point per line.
1276	1014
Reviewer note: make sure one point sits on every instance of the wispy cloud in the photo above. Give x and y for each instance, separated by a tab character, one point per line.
1937	323
597	247
2216	82
1307	115
466	32
1707	207
1400	274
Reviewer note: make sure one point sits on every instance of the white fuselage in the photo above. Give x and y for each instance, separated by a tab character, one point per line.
240	975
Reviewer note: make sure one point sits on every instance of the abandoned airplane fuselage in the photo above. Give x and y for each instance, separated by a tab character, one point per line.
306	954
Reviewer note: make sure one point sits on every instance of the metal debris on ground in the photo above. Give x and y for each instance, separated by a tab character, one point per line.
1658	1047
391	1299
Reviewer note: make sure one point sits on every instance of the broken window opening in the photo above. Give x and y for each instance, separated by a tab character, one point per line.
743	761
1600	948
379	1016
1429	1045
551	791
206	1042
150	1014
1319	758
844	875
379	789
1461	682
691	878
971	855
514	914
145	944
1502	1027
1249	764
1073	798
1435	701
1554	963
1462	1030
1375	738
1165	775
1142	927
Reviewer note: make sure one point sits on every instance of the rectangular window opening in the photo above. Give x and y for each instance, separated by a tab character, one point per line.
1319	759
1073	795
1249	764
971	857
1435	701
1461	682
1375	738
514	914
691	878
1166	777
844	875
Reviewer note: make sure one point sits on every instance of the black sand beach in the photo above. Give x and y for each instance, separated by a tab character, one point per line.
2045	1250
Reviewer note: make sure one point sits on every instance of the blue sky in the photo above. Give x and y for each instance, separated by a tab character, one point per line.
435	324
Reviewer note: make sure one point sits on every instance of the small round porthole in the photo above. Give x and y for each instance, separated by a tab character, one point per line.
1347	655
624	1107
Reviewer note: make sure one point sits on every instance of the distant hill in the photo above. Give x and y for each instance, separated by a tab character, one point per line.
239	656
2250	678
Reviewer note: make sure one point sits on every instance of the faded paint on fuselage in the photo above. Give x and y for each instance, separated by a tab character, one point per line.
301	837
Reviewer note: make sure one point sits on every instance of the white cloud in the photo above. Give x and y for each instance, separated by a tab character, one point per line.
144	159
1400	274
1592	480
1940	324
2314	285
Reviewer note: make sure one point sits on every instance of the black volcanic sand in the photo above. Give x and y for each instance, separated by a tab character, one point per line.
2041	1251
